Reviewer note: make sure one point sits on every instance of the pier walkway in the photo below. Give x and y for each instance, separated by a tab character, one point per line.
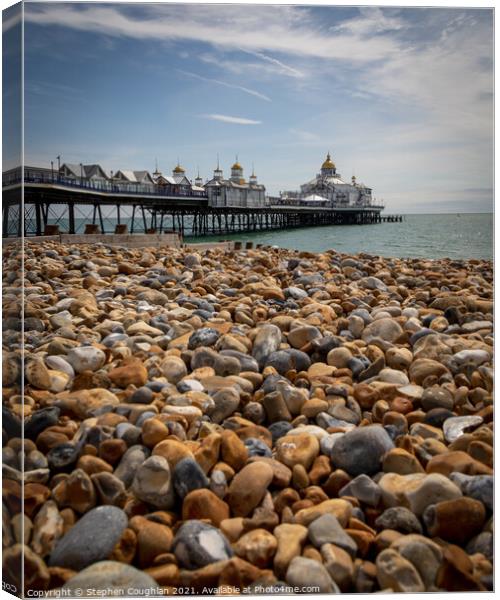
38	205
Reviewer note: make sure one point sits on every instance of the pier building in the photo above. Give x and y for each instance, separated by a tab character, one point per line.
87	172
126	176
235	191
328	188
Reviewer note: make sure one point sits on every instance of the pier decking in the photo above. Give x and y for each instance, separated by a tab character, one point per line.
33	206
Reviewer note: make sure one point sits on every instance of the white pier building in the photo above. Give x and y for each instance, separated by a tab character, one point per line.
328	188
235	191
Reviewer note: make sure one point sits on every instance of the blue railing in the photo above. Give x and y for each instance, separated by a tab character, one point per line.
105	186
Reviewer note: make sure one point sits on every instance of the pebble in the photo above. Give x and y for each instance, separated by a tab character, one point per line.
133	458
204	504
305	573
361	450
454	427
399	518
290	537
90	540
153	483
248	488
205	336
425	555
266	342
327	530
173	368
429	490
116	578
188	476
364	489
198	544
297	449
397	574
386	329
86	358
441	519
258	547
479	487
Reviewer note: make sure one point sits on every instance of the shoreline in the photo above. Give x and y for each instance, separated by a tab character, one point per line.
228	419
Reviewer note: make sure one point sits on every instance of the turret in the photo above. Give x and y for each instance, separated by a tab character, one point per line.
157	172
237	172
328	167
252	180
218	175
178	170
198	181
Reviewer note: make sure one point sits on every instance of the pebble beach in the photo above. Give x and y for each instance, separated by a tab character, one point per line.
246	422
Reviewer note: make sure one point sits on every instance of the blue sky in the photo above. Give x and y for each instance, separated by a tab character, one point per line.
401	97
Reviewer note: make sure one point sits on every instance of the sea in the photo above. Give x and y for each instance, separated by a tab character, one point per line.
457	236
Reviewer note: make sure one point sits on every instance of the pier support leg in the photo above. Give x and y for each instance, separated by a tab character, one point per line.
38	213
133	217
71	215
100	218
5	220
20	219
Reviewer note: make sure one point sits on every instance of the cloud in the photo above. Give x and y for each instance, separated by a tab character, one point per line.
371	20
446	82
225	84
280	67
273	28
229	119
244	67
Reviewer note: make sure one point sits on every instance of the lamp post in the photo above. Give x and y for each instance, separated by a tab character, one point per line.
81	174
58	166
52	169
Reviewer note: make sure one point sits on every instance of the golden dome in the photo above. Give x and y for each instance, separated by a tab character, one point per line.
179	169
328	164
237	166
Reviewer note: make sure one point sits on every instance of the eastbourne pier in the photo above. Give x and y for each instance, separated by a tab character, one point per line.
84	199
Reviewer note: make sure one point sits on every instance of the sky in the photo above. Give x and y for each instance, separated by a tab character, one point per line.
402	98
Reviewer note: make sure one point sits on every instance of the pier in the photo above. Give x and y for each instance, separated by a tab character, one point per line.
39	206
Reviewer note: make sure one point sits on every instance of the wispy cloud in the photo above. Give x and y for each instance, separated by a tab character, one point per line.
233	120
251	68
226	84
279	66
371	20
270	28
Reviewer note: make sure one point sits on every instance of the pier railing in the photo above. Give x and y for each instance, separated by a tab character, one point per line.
104	186
277	201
